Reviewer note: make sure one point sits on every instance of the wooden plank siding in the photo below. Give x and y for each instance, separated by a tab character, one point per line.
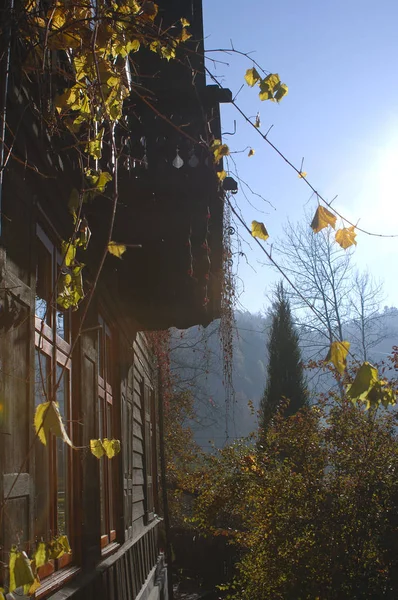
134	552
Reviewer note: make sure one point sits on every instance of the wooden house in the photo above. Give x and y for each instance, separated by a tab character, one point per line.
101	371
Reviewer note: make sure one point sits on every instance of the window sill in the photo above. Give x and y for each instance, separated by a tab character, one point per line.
55	581
109	549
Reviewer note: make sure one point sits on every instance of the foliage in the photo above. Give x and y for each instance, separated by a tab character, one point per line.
313	510
285	371
23	571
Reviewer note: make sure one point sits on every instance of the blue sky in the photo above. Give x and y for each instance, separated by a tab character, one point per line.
340	61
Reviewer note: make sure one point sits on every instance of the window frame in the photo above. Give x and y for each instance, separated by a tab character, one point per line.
56	351
106	429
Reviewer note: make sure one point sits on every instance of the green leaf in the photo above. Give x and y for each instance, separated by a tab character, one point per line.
259	231
337	355
116	249
111	447
252	77
365	379
41	555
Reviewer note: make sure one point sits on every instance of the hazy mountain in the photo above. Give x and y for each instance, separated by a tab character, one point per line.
197	359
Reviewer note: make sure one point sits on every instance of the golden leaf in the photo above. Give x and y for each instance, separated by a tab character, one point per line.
346	237
116	249
281	92
94	147
252	77
2	597
20	571
251	152
185	35
68	252
48	418
34	587
97	448
268	86
111	447
337	355
259	230
64	542
221	175
302	174
219	150
366	377
41	555
322	218
185	22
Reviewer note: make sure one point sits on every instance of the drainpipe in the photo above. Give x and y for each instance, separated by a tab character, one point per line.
166	520
8	8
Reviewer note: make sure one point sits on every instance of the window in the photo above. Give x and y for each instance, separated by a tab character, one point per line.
53	484
150	468
106	430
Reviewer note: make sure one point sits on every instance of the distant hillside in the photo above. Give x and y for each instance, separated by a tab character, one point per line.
197	359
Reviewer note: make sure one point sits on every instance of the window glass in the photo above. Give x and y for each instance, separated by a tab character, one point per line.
44	282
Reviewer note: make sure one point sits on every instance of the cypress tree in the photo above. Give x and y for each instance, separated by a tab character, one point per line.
285	378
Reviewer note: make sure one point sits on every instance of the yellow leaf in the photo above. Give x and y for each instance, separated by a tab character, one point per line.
185	22
94	147
34	587
251	152
185	35
346	237
41	555
97	448
55	549
167	52
20	571
322	218
68	252
281	92
268	86
111	447
302	174
337	355
221	175
259	230
116	249
64	542
219	150
48	418
366	377
2	597
252	77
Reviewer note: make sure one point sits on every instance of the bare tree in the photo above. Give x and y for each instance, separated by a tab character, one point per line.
345	304
367	323
321	271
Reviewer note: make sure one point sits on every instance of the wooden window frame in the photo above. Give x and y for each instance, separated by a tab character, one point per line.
148	414
56	350
106	428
